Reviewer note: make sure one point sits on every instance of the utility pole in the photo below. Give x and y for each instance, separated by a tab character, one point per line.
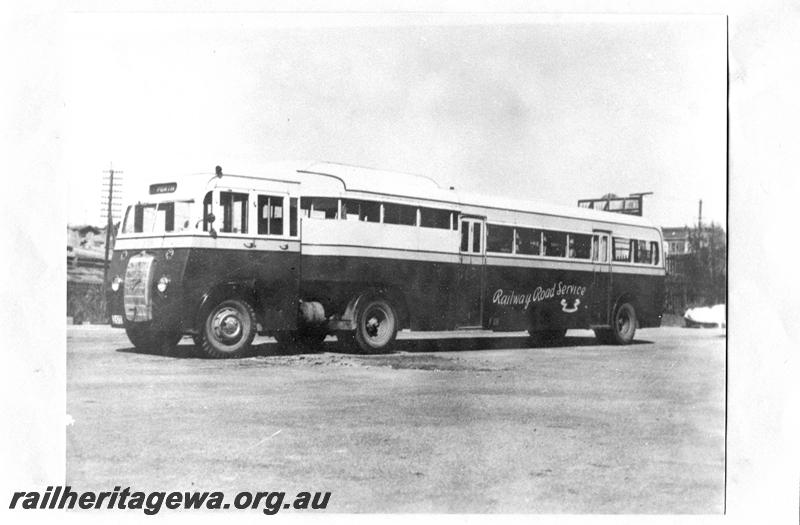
113	182
700	216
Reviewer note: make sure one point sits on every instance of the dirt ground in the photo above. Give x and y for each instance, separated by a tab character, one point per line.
450	423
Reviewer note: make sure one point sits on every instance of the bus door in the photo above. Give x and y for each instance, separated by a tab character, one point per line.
471	274
601	277
274	249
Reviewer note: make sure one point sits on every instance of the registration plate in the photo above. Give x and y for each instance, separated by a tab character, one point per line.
116	319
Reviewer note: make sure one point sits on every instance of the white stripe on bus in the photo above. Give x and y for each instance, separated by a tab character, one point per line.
428	256
206	241
334	250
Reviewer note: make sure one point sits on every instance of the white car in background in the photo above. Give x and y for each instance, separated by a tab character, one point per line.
706	317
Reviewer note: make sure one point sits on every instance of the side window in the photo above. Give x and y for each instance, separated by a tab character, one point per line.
644	255
554	244
400	214
528	241
357	210
270	215
432	218
234	212
319	207
499	239
580	246
654	250
464	236
622	250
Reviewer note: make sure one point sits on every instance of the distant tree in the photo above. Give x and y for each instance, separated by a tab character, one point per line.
706	264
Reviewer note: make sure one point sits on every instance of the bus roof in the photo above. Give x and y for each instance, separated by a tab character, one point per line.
401	184
322	176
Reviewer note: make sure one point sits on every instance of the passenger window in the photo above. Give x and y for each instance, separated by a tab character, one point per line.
319	207
399	214
622	250
234	212
356	210
528	241
554	244
643	253
654	250
464	236
580	246
270	215
431	218
499	239
603	248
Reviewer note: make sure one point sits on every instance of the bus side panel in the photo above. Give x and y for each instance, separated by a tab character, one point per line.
423	289
645	291
277	283
271	276
519	298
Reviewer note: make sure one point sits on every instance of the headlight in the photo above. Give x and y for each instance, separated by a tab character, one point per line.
162	284
115	283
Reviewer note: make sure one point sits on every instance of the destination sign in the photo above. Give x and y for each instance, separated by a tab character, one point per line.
165	187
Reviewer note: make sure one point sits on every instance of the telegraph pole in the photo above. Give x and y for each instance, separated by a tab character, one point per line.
113	182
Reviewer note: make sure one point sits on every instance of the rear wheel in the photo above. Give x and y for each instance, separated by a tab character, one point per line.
229	329
376	325
623	325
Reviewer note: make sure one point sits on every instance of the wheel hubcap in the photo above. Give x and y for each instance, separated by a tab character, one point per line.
376	326
227	325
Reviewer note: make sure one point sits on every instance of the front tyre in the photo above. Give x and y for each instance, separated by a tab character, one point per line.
376	325
229	329
146	339
623	325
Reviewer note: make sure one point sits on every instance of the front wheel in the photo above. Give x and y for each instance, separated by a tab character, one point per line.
147	339
229	329
376	325
623	325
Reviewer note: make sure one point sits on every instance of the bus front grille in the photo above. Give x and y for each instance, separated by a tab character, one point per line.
138	286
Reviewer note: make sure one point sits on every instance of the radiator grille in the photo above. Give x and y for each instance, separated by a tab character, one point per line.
138	287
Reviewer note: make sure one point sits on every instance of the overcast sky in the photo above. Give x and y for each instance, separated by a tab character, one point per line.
552	108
